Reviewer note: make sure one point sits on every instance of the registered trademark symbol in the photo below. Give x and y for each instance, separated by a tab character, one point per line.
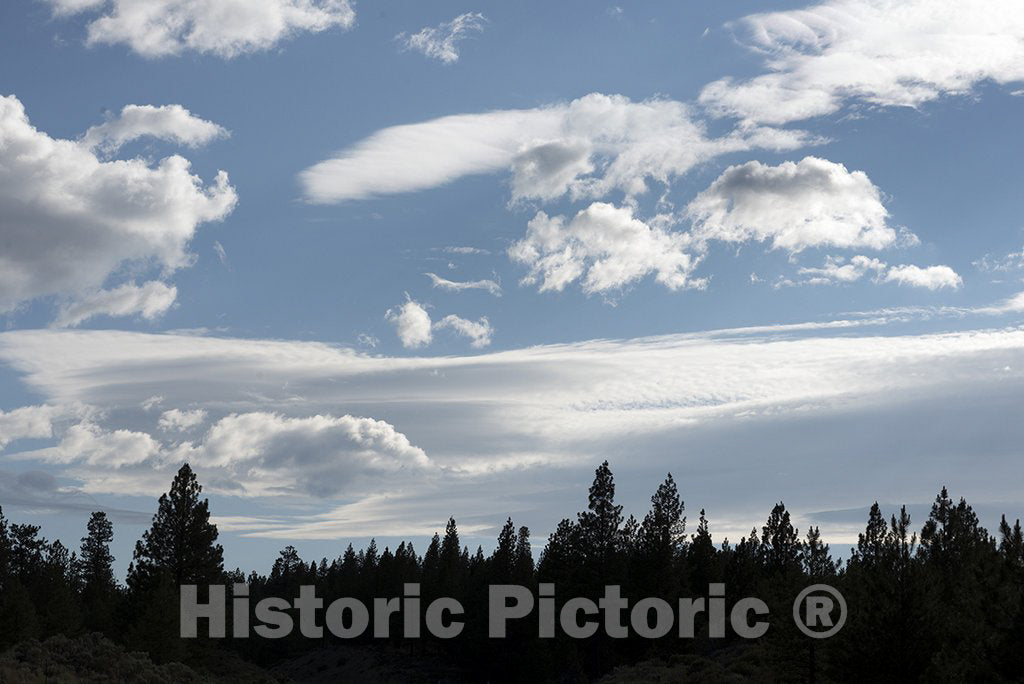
816	603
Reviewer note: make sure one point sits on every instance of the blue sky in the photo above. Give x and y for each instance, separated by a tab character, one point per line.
778	254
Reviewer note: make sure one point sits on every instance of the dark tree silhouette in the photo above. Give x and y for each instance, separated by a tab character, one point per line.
944	605
182	541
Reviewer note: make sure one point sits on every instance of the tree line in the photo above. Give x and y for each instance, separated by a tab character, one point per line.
942	603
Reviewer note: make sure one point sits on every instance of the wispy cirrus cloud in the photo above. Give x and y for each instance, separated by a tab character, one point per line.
149	300
441	42
453	286
285	416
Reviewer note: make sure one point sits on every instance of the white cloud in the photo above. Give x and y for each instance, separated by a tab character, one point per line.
412	324
367	340
836	269
795	205
151	300
1010	262
465	250
575	387
874	51
415	329
27	422
169	122
152	402
453	286
440	42
66	7
1014	304
586	148
158	28
222	255
88	443
70	220
479	332
320	455
605	247
248	454
176	420
932	277
532	422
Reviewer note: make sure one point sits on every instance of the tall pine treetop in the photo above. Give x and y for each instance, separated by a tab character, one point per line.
182	541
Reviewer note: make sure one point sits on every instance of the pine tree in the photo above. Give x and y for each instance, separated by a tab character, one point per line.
6	549
522	565
1011	543
780	542
702	558
872	543
818	563
561	556
662	531
452	564
55	596
599	525
95	562
181	541
503	558
432	569
27	552
657	566
965	601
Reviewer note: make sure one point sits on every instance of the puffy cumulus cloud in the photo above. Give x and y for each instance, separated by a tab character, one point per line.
606	248
27	422
452	286
795	205
70	220
585	148
89	444
880	52
837	269
150	300
479	332
176	420
320	455
412	324
168	122
158	28
415	328
246	454
932	277
439	42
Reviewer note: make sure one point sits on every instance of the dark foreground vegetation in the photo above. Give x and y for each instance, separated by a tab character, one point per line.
944	603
